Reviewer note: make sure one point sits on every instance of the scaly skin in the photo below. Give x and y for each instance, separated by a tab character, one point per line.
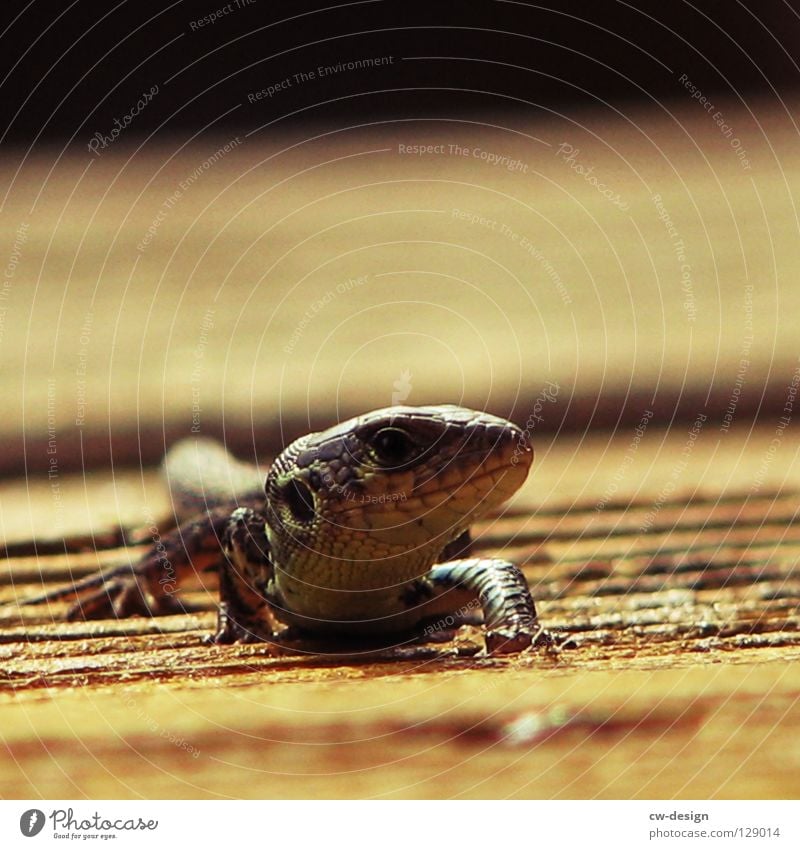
351	539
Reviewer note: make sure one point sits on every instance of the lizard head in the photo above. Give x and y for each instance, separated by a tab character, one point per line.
401	482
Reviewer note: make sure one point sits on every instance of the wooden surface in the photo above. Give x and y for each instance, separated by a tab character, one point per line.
665	557
678	677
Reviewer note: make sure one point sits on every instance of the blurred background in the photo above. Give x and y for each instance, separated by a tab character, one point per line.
253	219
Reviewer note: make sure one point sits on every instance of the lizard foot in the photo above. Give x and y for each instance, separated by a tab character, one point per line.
243	629
120	597
507	641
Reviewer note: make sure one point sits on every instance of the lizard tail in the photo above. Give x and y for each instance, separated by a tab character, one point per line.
202	475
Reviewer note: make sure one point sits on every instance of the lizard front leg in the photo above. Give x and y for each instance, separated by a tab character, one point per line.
452	591
245	614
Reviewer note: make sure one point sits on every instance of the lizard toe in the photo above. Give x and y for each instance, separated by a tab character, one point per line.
507	641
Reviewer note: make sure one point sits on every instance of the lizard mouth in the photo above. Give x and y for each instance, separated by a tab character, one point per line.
490	488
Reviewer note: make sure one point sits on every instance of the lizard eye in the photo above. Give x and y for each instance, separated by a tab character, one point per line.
299	500
392	446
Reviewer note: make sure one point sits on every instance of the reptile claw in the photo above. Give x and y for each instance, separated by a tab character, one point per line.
114	600
505	642
513	642
230	631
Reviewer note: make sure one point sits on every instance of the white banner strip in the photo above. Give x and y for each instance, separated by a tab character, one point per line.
404	824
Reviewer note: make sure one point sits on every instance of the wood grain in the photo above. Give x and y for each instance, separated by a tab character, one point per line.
677	676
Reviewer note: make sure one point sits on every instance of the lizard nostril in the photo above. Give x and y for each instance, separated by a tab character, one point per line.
299	500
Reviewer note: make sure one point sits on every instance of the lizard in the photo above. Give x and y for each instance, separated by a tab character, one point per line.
352	535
